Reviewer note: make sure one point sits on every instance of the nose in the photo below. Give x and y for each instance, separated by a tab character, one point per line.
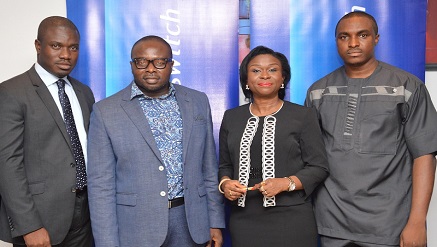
264	74
150	67
65	53
354	42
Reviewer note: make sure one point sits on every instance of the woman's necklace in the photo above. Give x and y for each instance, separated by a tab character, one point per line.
271	114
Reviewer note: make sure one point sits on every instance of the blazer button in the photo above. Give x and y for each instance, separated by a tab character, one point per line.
162	193
161	168
72	164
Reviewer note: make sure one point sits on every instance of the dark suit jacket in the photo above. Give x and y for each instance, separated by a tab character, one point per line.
37	170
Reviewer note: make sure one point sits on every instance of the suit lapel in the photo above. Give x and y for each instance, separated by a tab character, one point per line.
83	103
49	102
186	108
136	114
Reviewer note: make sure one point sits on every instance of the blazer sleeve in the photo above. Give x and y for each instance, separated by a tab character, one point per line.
215	199
101	182
14	188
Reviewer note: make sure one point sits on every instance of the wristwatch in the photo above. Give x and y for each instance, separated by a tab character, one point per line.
291	185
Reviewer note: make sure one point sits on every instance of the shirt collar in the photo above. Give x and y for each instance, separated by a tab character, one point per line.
136	92
48	78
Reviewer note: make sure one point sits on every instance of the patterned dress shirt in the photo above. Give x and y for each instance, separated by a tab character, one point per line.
165	122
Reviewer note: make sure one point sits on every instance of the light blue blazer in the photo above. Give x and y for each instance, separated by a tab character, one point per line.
127	184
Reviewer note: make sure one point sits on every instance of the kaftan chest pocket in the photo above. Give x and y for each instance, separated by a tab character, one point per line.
379	127
332	112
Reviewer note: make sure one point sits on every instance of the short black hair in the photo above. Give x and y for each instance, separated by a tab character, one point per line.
359	14
260	50
55	21
153	37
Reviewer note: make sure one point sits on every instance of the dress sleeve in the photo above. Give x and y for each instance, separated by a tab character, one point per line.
225	164
313	152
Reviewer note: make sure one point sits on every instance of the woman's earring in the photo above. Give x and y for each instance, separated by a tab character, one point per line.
247	87
282	86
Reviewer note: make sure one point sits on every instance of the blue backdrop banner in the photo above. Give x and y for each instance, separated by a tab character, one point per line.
269	26
89	17
202	34
304	31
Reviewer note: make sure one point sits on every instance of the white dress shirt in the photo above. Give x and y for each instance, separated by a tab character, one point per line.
50	81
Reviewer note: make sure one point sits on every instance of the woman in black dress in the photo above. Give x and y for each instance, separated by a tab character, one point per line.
272	158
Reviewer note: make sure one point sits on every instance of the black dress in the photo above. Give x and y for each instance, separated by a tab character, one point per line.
299	151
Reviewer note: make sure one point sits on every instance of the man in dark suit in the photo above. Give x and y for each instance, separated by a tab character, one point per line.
152	160
43	124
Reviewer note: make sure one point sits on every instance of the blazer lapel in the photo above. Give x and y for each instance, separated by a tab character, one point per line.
186	108
49	102
136	114
83	103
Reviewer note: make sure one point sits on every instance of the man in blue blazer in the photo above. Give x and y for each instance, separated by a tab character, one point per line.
152	172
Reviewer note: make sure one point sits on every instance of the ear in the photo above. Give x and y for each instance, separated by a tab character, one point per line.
376	39
37	46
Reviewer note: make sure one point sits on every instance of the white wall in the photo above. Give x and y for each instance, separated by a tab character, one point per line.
19	20
431	84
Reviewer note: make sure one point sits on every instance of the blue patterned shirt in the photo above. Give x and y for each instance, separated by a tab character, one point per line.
165	121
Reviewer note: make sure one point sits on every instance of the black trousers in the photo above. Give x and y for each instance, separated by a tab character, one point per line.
80	234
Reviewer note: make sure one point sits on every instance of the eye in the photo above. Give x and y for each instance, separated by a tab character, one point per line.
140	61
74	48
363	35
56	46
255	70
273	70
159	61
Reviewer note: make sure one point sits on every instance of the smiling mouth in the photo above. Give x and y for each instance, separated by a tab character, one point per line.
265	84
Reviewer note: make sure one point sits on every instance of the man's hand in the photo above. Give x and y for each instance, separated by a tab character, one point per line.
38	238
413	235
216	238
414	232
